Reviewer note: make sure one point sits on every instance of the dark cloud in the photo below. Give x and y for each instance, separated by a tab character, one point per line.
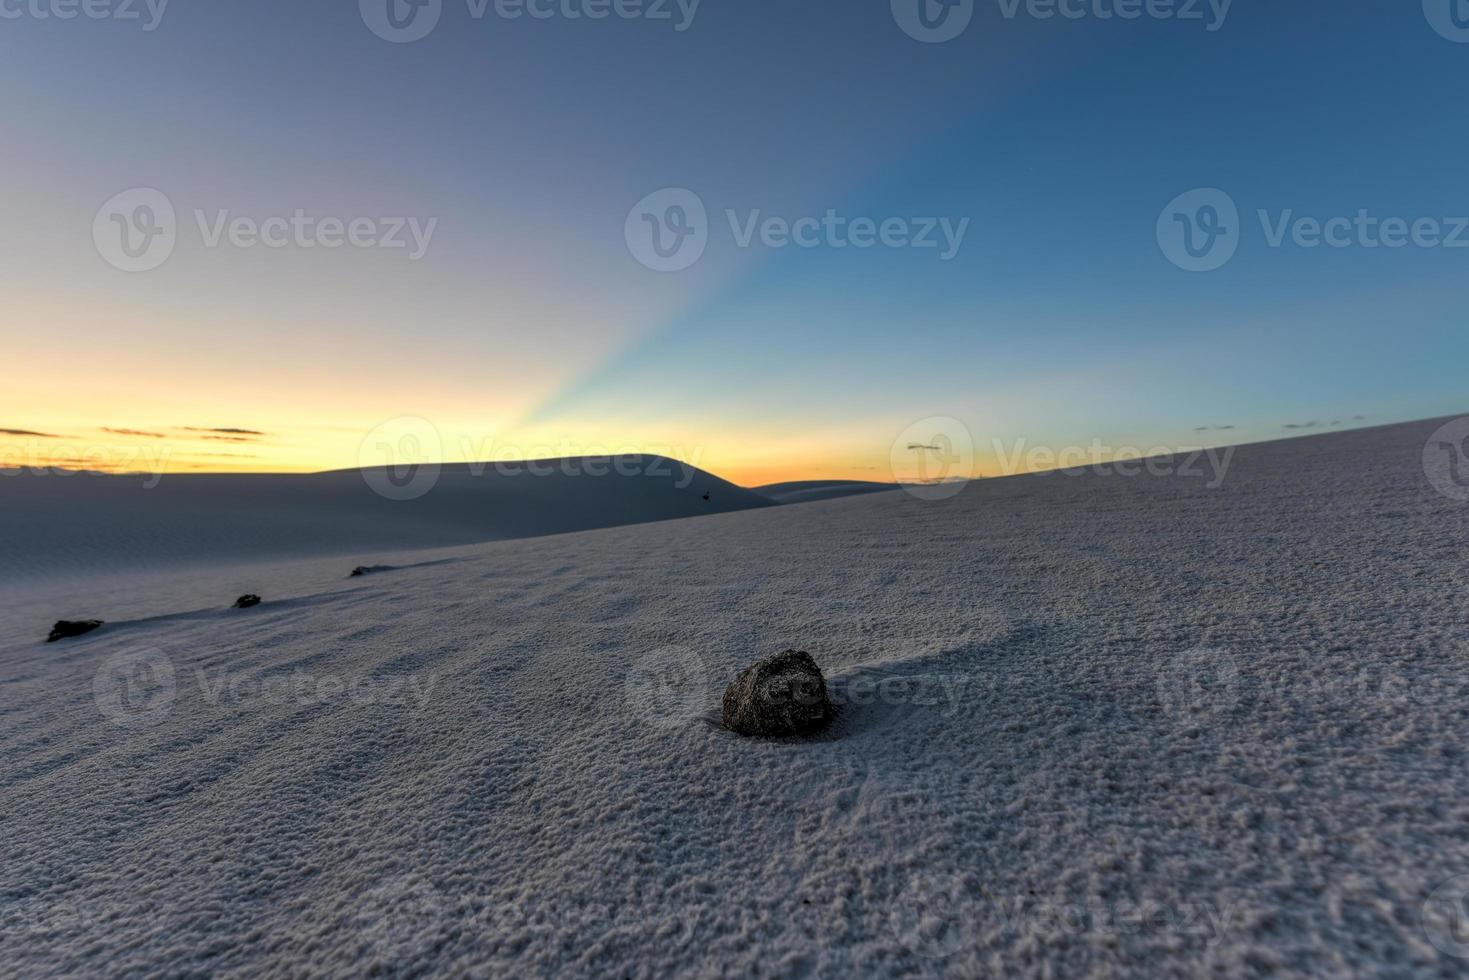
1214	428
74	465
224	433
919	445
1322	425
27	432
135	432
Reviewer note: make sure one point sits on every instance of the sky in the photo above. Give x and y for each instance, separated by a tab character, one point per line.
1003	230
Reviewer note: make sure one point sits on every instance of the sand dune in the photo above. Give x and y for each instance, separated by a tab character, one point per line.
54	525
1106	725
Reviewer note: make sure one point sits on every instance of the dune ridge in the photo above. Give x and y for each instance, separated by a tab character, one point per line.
53	526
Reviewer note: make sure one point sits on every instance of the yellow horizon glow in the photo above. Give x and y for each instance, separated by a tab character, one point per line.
742	457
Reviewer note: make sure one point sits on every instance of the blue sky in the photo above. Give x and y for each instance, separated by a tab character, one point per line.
1058	141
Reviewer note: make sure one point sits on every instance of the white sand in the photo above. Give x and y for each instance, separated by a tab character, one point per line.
1130	726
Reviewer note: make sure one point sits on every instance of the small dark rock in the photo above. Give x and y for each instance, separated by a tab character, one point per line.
780	695
360	571
66	629
247	601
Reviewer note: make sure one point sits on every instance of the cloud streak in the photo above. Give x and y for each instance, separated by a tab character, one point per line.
254	433
134	432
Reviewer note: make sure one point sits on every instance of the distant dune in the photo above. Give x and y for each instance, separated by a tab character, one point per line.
803	491
68	524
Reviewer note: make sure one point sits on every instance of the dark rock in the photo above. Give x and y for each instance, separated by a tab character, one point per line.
360	571
247	601
780	695
66	629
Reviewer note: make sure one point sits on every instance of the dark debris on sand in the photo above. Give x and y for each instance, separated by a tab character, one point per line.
66	629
